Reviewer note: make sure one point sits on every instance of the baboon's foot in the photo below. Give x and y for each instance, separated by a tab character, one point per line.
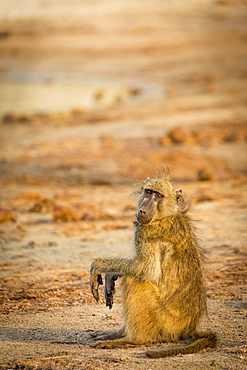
107	334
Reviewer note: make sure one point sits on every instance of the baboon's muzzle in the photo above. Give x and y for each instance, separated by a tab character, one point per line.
146	210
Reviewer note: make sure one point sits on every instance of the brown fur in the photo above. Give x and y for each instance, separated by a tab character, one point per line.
162	284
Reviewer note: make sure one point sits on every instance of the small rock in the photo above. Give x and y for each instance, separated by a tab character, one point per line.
7	215
205	175
65	214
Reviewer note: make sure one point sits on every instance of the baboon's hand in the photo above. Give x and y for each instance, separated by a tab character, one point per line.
110	288
96	281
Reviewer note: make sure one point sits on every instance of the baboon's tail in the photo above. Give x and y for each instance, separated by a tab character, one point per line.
202	340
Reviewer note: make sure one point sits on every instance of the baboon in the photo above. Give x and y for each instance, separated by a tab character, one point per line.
163	291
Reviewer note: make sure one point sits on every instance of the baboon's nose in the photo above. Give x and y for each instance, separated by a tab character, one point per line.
142	216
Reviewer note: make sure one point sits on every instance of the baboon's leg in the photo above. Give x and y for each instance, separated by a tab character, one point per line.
108	334
110	288
142	310
118	343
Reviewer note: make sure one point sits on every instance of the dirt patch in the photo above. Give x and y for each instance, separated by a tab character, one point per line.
206	135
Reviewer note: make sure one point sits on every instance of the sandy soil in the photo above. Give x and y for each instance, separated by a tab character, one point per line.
94	98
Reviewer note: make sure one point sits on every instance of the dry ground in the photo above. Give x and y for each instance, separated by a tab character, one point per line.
94	98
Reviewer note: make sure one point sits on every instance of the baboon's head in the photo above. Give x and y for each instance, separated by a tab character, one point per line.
157	199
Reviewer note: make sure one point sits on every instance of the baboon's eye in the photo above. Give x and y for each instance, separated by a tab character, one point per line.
148	191
159	195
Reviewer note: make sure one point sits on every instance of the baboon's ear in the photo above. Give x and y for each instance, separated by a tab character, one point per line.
180	200
178	193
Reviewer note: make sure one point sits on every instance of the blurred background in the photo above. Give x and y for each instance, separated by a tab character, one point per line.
106	92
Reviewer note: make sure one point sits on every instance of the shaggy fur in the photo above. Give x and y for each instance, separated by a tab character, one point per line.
162	284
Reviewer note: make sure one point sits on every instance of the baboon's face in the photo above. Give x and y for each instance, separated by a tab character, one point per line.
148	205
157	200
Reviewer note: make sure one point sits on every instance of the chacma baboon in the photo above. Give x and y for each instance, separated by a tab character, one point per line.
163	292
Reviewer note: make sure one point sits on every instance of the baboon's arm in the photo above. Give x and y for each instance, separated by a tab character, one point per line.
114	267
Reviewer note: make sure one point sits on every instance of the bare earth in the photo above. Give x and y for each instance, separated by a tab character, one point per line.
94	97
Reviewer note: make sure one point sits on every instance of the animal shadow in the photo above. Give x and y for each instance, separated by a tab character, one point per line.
63	336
